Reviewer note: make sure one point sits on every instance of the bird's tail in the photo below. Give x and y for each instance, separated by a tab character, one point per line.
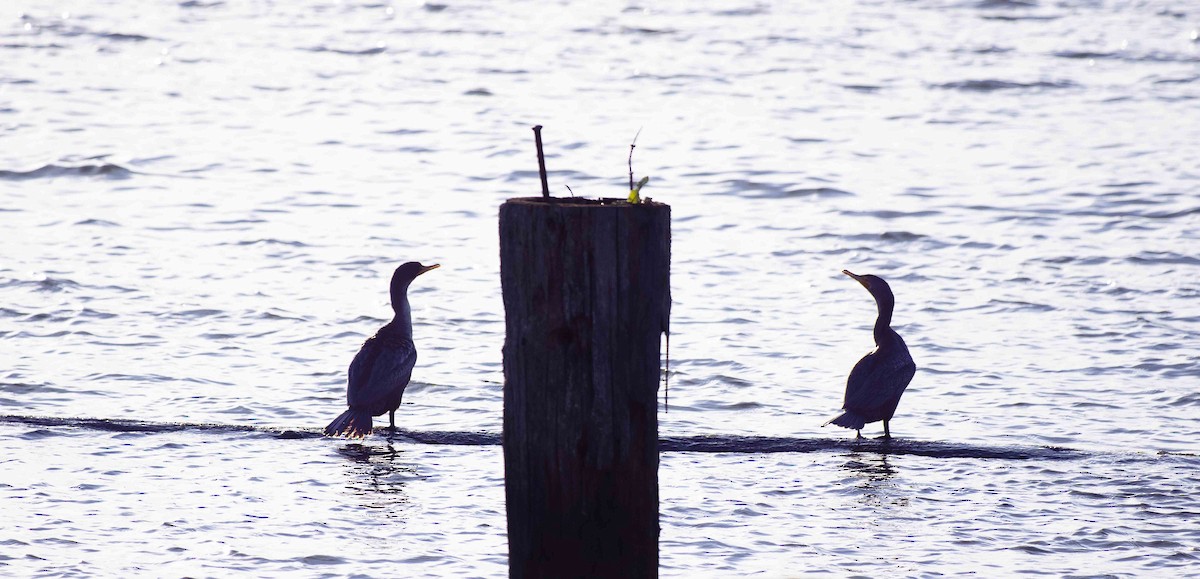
847	419
352	423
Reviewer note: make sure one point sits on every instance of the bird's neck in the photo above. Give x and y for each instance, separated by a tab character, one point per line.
883	324
401	324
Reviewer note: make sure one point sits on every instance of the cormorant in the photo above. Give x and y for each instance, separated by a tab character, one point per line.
875	384
381	369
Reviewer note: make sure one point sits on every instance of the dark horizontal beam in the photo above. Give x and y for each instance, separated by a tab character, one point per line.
935	449
122	425
709	444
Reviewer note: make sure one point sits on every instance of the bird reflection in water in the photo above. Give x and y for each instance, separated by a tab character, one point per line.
875	479
377	476
872	467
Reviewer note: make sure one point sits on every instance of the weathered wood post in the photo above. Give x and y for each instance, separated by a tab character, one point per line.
586	288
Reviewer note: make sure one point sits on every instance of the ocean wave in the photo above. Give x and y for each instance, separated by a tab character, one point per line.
49	284
992	84
1005	4
54	170
1163	257
1153	56
761	190
350	51
890	214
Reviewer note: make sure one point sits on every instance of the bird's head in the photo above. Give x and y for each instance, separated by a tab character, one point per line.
406	273
874	284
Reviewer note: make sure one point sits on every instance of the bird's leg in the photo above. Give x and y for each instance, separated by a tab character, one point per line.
392	420
887	434
858	435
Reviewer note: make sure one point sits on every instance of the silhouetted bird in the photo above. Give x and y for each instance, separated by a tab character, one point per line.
879	379
381	369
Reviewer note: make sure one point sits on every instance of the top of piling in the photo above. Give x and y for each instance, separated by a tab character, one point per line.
583	201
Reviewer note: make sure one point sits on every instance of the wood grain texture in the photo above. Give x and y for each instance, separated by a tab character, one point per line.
586	299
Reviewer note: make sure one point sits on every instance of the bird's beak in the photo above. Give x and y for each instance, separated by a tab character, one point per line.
428	268
858	278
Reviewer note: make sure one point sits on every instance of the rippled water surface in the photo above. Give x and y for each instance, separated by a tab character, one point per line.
202	203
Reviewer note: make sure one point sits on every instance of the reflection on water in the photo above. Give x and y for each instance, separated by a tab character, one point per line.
376	475
871	467
873	478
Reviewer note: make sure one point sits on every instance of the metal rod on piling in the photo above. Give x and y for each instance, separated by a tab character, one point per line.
537	137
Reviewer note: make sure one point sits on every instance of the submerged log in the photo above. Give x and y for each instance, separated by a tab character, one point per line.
586	300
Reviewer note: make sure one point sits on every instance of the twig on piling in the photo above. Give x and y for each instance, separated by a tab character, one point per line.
631	146
537	137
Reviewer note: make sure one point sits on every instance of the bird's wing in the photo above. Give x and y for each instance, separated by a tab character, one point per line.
903	376
858	383
876	383
379	372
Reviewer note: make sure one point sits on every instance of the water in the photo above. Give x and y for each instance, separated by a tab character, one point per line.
202	203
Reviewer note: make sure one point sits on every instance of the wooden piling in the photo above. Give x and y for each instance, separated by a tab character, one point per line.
586	299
